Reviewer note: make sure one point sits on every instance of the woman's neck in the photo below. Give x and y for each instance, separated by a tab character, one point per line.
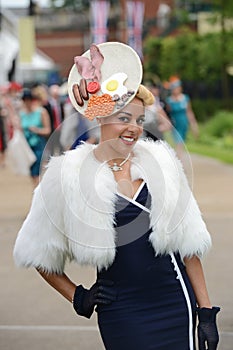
105	151
177	97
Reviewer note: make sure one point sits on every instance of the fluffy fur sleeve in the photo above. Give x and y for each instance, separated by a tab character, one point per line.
193	237
176	220
41	242
196	238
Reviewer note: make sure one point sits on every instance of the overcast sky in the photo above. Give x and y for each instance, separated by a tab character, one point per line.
21	3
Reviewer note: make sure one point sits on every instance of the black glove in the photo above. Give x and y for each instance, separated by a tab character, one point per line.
207	328
100	293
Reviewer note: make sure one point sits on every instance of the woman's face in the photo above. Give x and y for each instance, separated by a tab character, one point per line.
123	129
28	102
176	90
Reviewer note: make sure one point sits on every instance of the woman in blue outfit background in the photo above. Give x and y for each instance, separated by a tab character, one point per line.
123	206
35	123
181	113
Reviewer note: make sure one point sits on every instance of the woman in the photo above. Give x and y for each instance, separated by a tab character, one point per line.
157	121
35	123
123	206
181	114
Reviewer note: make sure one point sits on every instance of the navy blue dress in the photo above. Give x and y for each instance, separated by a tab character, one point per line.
151	310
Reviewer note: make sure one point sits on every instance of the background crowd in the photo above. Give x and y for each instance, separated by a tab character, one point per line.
45	117
51	125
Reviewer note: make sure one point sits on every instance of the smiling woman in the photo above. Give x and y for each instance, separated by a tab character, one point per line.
123	206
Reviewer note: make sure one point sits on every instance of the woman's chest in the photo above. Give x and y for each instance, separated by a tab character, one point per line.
30	119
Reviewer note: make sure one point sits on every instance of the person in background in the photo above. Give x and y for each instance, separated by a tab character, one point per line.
42	95
157	121
58	114
3	143
123	206
181	114
14	94
35	123
76	129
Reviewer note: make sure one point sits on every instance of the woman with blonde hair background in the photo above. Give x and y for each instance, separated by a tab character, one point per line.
35	124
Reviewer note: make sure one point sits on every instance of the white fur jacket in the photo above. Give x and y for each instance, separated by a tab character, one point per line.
72	212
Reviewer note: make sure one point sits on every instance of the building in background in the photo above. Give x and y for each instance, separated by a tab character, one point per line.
20	57
63	34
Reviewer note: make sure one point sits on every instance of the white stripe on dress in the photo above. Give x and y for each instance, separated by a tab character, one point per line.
185	291
133	200
176	268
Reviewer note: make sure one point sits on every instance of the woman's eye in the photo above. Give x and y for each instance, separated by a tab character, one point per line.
141	121
124	119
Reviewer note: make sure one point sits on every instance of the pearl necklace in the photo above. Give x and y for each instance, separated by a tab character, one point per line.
116	167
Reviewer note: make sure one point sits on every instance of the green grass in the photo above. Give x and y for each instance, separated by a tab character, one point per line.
216	138
207	147
223	154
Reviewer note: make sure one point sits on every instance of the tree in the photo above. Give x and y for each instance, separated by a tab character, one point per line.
224	10
192	56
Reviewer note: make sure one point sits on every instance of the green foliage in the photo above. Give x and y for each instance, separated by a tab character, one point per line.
168	58
205	109
220	126
187	47
225	7
221	153
152	53
216	137
209	58
192	56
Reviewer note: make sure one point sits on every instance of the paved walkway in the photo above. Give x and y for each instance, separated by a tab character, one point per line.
34	317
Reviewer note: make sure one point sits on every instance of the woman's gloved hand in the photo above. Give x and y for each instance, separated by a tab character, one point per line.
85	300
207	330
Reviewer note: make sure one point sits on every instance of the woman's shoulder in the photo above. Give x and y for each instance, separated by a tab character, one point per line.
168	99
22	112
186	97
71	158
160	150
159	145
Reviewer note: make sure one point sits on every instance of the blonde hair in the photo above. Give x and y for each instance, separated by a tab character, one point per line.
145	95
41	93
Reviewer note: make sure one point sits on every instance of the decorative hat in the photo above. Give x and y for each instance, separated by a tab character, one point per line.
27	95
104	79
174	82
14	86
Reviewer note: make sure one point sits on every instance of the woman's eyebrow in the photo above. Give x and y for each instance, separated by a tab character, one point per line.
127	113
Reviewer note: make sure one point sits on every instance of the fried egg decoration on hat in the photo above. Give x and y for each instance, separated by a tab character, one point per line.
115	85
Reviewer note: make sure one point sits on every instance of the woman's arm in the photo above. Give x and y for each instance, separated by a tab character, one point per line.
83	300
207	330
196	276
61	283
164	123
192	120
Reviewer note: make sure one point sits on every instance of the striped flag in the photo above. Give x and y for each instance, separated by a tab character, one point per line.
135	16
99	21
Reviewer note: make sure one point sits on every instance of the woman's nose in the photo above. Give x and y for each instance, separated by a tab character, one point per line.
133	126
